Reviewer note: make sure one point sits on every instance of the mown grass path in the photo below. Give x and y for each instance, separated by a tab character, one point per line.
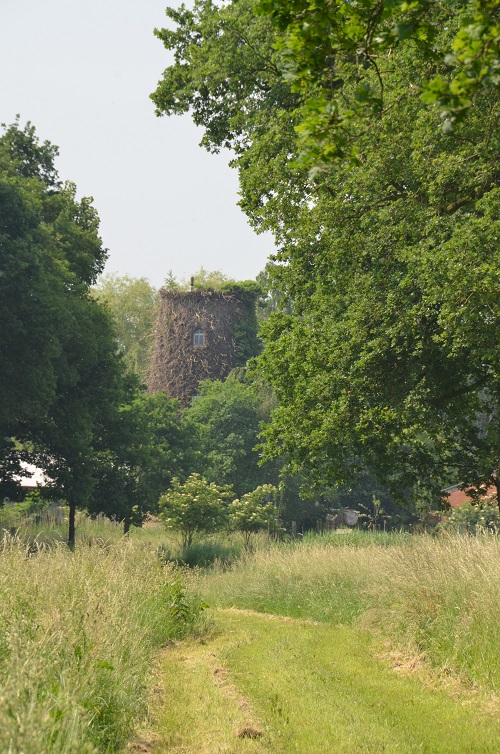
266	684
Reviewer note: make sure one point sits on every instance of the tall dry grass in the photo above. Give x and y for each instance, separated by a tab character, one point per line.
438	598
77	634
441	598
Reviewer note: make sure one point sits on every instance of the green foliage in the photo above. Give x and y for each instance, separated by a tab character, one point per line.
194	507
149	441
227	417
254	511
73	443
184	608
210	280
168	446
78	634
473	518
27	156
133	303
105	448
49	250
61	378
339	58
380	364
383	348
245	332
271	300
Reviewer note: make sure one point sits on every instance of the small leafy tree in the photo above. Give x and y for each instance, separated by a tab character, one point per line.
195	507
254	511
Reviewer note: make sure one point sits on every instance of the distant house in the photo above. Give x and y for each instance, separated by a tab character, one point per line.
457	496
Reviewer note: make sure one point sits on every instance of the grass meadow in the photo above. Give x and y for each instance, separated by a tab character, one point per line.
80	632
78	635
430	600
302	687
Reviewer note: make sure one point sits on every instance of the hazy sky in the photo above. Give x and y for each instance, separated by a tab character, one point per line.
82	73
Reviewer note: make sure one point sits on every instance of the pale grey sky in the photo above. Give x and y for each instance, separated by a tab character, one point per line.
82	73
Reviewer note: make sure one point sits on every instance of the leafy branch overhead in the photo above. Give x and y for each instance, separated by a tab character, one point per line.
340	57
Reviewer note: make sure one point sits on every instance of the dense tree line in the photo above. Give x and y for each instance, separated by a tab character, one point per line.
74	355
75	349
366	139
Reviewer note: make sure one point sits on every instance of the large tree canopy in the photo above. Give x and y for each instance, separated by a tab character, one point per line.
60	374
388	358
49	254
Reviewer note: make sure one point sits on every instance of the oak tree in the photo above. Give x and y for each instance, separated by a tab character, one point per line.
386	357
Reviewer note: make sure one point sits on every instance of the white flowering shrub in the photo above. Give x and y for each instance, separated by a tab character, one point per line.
472	518
195	507
254	511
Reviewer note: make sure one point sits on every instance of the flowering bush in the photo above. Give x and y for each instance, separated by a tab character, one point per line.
195	507
473	517
255	511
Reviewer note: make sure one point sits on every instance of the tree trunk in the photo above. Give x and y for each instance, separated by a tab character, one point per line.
497	485
71	528
126	526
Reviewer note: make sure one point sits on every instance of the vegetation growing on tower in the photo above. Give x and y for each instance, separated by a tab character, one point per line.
202	334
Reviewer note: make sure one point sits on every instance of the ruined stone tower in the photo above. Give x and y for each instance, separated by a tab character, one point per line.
202	334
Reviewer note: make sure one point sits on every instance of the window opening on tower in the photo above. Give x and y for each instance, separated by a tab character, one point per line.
199	338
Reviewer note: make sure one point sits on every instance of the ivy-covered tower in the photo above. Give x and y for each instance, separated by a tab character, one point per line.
202	334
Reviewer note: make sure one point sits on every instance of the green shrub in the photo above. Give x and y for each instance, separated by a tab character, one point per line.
194	507
254	511
473	517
